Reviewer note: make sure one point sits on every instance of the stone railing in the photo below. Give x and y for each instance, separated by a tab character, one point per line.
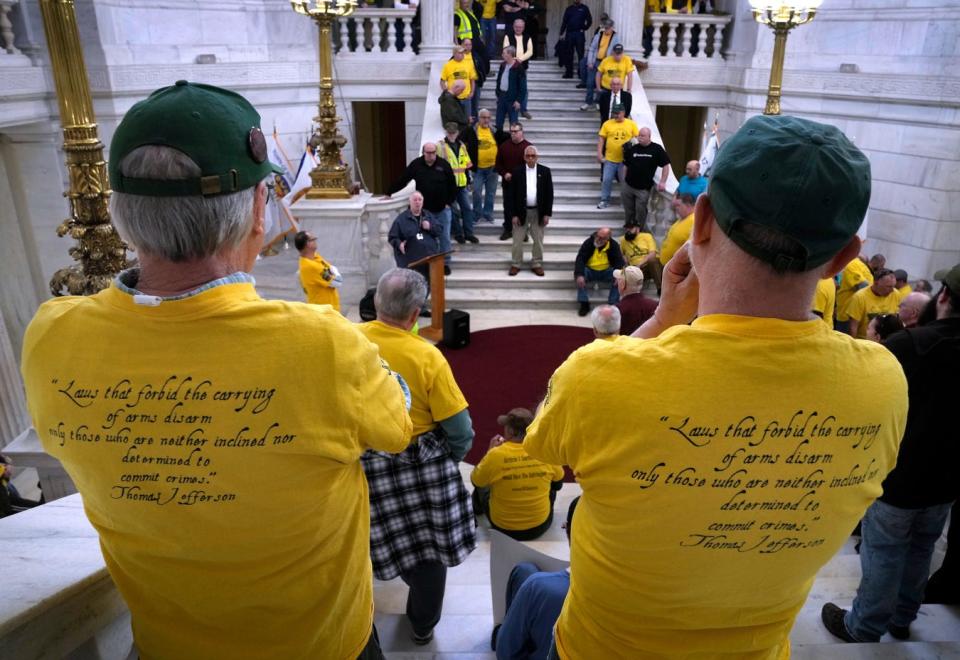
688	35
6	28
375	31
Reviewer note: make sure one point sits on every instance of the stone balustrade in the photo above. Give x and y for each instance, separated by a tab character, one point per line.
376	31
688	35
6	28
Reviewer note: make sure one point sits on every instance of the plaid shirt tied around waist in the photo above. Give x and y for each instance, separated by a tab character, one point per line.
419	508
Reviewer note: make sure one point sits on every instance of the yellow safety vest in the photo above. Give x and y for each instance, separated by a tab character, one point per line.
465	31
459	162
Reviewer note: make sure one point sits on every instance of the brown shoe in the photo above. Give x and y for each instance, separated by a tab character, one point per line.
513	271
538	271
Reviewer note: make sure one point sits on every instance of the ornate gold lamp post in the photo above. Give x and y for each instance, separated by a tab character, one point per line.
782	16
331	178
99	251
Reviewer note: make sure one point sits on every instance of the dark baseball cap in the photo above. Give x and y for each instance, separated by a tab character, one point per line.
950	277
218	129
617	107
803	179
618	48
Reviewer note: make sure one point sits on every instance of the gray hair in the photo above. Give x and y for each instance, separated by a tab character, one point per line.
400	291
606	321
511	50
178	228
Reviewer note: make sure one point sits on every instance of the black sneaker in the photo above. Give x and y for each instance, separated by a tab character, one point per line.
460	239
493	637
446	270
426	313
832	617
899	632
584	309
506	235
420	640
581	86
568	75
472	238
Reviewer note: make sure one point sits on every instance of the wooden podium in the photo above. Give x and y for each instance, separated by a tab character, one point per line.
438	302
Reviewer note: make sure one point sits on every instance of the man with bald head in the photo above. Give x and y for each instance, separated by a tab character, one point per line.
691	182
641	158
597	259
532	206
911	307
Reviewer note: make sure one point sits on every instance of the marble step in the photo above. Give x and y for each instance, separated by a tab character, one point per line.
519	298
488	277
499	260
576	195
566	242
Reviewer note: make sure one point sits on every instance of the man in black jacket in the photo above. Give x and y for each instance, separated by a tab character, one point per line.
434	178
532	205
614	96
597	258
901	528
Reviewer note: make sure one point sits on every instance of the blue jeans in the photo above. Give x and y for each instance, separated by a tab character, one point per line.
602	276
467	105
484	191
443	219
895	557
609	172
489	28
591	82
504	109
462	224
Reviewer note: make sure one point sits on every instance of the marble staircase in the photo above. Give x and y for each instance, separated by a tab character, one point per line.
464	630
566	139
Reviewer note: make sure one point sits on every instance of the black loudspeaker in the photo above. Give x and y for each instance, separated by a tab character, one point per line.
456	329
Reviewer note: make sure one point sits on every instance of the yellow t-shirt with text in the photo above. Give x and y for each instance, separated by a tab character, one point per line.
707	511
855	274
677	235
609	68
462	70
824	299
315	279
636	251
600	259
865	304
519	486
434	392
617	133
487	148
216	442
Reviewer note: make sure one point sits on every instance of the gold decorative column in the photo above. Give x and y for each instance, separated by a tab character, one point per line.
782	16
99	251
330	178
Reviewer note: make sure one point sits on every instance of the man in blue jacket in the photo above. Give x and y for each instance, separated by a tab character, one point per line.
576	20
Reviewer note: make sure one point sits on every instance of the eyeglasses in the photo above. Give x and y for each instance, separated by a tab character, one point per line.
516	130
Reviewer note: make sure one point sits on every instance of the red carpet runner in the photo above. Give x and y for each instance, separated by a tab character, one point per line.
508	368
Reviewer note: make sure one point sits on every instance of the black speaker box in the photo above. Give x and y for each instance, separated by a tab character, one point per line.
456	329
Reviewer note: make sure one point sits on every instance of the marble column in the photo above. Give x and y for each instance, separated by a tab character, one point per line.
627	16
13	408
436	29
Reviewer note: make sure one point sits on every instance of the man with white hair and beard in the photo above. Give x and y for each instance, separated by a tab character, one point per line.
176	404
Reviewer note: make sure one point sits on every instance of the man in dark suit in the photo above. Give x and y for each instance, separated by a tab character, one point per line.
532	207
611	97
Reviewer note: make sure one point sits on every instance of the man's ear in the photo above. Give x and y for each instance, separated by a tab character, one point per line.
703	220
259	209
849	252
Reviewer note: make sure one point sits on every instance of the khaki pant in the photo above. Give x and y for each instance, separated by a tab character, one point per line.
531	228
653	270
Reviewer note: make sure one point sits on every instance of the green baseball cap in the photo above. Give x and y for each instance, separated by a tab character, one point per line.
950	277
215	127
804	179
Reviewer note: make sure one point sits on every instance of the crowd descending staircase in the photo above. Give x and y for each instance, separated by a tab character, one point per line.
566	139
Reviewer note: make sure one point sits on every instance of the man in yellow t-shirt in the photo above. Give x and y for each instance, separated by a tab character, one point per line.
404	540
639	249
749	464
485	176
616	65
615	132
879	298
514	491
174	395
824	300
857	275
488	24
903	286
459	68
680	231
318	278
